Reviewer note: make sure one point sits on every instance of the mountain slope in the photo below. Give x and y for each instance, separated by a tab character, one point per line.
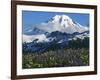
57	40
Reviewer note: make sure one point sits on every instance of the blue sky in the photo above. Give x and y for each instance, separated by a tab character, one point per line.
36	17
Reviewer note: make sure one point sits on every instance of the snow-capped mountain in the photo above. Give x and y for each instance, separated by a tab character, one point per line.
62	23
56	28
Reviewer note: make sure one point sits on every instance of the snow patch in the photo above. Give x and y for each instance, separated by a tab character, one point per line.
30	38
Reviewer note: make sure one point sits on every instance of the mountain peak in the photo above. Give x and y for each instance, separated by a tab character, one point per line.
60	18
65	17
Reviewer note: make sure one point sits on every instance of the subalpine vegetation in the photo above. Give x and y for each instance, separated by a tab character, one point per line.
76	53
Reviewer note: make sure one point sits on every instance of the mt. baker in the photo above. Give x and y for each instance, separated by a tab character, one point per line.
60	23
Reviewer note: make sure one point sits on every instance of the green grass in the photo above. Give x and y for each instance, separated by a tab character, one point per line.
56	58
